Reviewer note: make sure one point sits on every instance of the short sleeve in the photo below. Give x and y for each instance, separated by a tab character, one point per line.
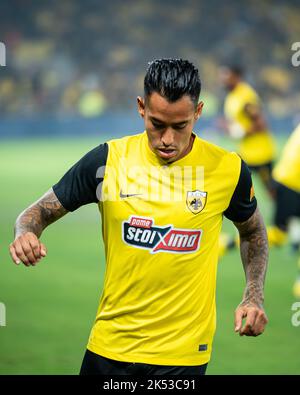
79	186
243	202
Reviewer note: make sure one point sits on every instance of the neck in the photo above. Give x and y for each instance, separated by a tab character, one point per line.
233	86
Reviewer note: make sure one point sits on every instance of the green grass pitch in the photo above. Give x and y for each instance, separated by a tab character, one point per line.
50	308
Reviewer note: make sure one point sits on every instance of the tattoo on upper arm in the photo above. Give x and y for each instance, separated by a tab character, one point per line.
254	253
40	214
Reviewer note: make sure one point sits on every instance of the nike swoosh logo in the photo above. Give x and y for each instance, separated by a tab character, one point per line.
127	195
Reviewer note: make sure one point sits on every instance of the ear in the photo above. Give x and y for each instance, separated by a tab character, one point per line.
198	111
141	106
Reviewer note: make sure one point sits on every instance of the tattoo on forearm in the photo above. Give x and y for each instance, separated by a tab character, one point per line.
254	254
39	215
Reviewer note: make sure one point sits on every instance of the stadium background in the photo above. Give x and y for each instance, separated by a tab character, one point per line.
73	71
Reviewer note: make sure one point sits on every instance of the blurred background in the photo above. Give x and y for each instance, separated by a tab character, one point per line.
87	59
73	72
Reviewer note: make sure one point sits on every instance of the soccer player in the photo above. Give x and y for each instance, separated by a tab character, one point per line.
245	121
162	195
287	204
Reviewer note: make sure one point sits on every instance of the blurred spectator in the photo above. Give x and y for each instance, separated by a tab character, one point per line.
54	47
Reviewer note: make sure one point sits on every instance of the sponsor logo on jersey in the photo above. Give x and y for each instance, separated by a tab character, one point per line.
141	232
196	201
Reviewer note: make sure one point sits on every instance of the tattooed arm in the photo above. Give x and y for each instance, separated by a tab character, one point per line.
254	254
29	226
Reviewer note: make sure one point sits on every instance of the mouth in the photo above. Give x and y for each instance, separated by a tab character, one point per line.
166	153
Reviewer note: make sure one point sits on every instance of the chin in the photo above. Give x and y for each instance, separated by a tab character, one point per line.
171	160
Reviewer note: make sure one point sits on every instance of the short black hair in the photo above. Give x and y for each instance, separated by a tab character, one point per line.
172	79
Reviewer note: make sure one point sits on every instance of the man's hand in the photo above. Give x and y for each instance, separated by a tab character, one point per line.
256	319
29	226
27	249
254	253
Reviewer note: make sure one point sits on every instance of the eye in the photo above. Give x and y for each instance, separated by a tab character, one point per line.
179	127
158	125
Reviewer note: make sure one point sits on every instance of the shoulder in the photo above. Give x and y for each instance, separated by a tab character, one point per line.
221	166
123	142
217	155
247	92
124	146
243	202
78	186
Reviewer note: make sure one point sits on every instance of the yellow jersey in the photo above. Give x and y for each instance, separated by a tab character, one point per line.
257	148
287	170
160	226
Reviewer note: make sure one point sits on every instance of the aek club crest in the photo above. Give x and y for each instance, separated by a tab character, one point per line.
196	200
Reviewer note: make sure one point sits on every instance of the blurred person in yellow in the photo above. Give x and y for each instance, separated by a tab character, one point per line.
157	312
286	176
245	122
91	104
286	173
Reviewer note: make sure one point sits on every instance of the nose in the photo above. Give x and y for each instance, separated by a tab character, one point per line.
167	137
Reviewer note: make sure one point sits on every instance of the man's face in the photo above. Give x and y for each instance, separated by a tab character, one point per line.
228	78
169	126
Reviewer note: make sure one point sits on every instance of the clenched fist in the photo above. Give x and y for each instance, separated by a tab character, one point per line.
27	249
255	316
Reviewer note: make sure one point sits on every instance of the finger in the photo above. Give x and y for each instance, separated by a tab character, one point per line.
260	323
43	250
27	250
238	321
35	246
248	328
14	255
20	253
250	333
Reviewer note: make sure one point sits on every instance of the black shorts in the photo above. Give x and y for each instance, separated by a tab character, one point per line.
287	205
94	364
